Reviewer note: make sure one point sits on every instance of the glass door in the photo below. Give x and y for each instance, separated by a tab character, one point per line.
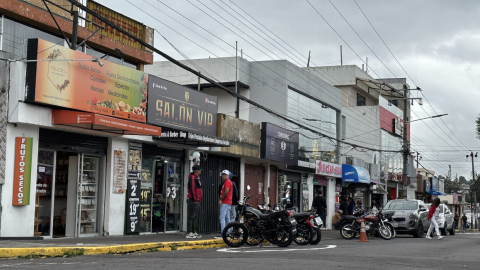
167	199
44	196
87	195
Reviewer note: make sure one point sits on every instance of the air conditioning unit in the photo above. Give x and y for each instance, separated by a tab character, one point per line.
283	180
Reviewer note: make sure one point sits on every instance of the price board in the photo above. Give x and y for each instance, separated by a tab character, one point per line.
133	210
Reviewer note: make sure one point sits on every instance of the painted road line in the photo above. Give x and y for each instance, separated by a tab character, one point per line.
251	250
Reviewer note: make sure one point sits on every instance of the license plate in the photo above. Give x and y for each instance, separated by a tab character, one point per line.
318	221
394	224
293	221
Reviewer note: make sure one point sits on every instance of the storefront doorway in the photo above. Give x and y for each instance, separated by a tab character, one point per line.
68	190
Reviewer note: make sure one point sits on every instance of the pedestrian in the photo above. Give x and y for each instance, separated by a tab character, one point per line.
351	206
225	199
194	197
344	205
374	208
456	219
235	197
337	218
320	205
464	222
433	215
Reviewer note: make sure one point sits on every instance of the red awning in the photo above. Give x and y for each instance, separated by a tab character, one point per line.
103	123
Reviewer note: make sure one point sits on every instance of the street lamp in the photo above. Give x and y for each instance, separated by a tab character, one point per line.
435	116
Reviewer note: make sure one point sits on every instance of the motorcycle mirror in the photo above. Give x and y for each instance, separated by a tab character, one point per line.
248	187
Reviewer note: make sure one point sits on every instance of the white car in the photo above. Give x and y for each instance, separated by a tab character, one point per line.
445	220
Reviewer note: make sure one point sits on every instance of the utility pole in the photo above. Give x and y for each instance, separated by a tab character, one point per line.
308	61
418	157
341	56
74	30
406	145
237	106
199	82
474	193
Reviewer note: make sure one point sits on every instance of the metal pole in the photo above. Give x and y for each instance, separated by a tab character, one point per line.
199	82
406	146
341	56
474	191
308	61
237	105
74	30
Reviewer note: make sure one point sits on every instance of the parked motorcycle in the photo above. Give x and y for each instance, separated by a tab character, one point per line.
253	226
373	224
308	228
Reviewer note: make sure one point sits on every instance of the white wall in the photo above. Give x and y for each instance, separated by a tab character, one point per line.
18	221
114	202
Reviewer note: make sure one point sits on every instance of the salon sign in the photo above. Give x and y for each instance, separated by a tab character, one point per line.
328	169
22	171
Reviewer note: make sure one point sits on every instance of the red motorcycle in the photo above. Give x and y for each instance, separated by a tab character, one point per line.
374	224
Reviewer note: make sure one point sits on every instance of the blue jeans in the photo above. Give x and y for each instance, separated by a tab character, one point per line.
233	215
225	212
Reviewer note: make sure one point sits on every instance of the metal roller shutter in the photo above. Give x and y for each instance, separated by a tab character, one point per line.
73	142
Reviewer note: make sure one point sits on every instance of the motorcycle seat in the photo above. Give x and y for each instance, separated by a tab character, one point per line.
271	215
302	214
352	217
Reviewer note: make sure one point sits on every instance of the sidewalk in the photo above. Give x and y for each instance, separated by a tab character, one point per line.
59	247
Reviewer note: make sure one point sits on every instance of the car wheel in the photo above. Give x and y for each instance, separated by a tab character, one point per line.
452	231
420	231
443	231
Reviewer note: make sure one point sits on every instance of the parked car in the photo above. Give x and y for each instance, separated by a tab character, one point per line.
445	219
409	216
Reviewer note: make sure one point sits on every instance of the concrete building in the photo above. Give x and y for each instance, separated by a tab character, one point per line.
289	91
374	118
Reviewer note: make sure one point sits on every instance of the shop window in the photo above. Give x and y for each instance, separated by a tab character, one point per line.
361	100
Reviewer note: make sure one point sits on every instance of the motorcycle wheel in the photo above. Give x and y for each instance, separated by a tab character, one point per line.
255	237
385	232
235	234
317	236
304	234
283	237
392	229
347	231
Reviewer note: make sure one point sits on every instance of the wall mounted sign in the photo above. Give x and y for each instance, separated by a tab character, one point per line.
328	169
133	210
108	89
173	105
119	172
134	160
22	170
279	144
191	138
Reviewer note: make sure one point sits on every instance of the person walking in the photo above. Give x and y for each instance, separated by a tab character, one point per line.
351	206
456	219
194	197
464	222
225	199
320	204
433	214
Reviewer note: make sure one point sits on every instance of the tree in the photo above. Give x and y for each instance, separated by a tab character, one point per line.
463	180
477	122
452	186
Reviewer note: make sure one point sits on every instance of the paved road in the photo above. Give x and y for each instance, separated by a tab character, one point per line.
452	252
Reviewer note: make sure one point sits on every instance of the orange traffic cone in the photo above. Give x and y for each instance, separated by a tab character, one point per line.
363	233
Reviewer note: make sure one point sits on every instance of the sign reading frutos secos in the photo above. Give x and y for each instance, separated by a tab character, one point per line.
22	171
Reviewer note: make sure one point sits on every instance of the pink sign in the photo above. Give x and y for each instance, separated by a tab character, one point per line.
328	169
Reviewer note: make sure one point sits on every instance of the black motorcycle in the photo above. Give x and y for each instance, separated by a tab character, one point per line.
277	227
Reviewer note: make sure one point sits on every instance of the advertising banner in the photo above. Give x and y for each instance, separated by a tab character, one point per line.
119	172
328	169
134	160
133	206
435	184
176	106
22	171
279	144
60	79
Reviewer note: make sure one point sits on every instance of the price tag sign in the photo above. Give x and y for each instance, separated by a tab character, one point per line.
133	210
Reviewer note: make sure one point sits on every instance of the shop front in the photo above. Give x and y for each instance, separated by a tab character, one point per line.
356	184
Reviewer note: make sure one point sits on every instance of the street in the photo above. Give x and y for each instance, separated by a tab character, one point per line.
404	252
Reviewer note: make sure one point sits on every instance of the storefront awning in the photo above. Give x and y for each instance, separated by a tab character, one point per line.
436	193
99	122
352	174
191	138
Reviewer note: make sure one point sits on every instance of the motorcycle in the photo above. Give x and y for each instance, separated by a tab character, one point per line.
373	224
253	227
308	228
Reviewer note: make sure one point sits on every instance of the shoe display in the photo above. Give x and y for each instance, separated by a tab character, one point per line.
191	236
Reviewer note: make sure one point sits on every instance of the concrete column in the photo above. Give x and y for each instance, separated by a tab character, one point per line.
114	202
18	221
396	190
311	190
330	202
266	185
242	178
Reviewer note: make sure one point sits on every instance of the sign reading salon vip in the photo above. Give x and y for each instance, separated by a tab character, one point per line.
109	89
176	106
22	171
133	205
279	144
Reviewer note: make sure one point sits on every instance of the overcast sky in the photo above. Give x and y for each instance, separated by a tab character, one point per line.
437	43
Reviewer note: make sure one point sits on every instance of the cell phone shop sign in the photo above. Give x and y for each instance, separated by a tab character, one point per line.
22	171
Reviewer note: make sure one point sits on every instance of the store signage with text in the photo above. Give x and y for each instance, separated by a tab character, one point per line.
191	136
133	206
279	144
173	105
59	79
328	169
22	171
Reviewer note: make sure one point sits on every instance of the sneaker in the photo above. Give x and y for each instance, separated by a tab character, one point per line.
197	235
440	237
191	236
428	237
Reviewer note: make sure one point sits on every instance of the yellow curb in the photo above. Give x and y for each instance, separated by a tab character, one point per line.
116	249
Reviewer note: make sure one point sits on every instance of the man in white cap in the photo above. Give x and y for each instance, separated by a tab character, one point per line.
225	199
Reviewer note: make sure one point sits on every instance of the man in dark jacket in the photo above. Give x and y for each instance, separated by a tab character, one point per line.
194	198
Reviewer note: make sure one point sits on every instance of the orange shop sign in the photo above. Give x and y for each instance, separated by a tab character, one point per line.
59	79
22	171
